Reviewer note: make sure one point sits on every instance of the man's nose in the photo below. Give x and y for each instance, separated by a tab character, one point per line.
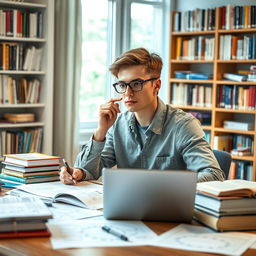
128	91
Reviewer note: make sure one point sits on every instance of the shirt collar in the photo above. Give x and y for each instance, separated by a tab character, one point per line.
157	123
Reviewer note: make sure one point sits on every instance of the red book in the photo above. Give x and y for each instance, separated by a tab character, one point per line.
18	234
19	24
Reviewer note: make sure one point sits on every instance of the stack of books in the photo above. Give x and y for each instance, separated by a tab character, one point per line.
23	217
29	168
226	206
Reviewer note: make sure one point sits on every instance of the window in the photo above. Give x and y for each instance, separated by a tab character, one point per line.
118	25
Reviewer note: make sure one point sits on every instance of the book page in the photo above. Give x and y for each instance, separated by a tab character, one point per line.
89	194
223	187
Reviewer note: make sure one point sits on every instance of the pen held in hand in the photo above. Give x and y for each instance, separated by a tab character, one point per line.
114	232
68	170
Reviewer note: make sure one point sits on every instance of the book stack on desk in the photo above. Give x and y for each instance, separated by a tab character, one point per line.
226	206
29	168
23	217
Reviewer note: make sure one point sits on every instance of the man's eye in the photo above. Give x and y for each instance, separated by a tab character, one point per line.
136	84
122	86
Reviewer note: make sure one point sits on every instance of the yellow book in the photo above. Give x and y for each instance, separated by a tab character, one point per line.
178	47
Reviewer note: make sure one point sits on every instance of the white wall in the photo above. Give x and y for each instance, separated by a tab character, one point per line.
183	5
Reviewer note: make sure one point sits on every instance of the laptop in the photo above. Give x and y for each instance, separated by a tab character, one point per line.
153	195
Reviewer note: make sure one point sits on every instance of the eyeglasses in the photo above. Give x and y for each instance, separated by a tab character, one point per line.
135	85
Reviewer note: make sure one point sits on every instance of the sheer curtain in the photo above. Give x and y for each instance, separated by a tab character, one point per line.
67	73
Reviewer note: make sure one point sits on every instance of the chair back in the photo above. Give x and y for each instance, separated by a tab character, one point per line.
224	160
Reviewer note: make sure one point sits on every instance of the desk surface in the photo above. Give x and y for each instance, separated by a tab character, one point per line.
42	246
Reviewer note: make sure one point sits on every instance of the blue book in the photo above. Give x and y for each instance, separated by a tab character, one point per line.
198	76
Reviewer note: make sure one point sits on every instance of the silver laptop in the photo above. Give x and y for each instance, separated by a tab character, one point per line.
136	194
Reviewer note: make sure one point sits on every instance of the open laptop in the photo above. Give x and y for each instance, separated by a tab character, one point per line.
155	195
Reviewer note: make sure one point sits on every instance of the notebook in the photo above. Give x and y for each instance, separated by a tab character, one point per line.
154	195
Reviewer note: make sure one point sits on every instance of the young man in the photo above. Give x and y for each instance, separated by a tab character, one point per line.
150	134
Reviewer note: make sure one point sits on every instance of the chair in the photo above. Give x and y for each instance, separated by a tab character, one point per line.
224	160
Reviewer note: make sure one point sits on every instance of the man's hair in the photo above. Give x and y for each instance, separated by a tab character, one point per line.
135	57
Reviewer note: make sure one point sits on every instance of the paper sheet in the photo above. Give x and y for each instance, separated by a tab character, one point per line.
88	233
63	212
197	238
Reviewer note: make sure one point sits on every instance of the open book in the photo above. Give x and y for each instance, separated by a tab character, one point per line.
84	194
229	188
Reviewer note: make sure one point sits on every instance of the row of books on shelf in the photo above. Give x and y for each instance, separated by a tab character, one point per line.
191	94
237	125
226	206
19	90
23	141
241	170
237	47
15	56
188	74
195	48
236	17
203	116
195	20
232	143
236	97
21	23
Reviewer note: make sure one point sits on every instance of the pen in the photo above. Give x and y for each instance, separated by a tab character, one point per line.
114	232
68	169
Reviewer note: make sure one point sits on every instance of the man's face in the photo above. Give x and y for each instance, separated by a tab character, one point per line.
141	100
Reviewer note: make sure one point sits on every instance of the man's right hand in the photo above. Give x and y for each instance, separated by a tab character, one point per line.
107	116
66	178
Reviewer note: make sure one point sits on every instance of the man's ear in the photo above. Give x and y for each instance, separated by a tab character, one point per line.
157	86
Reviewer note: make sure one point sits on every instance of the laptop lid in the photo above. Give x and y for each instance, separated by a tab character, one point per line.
154	195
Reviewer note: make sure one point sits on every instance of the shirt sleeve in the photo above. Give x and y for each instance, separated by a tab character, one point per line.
196	151
94	156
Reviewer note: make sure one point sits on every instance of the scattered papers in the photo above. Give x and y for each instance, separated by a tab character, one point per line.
197	238
68	212
88	233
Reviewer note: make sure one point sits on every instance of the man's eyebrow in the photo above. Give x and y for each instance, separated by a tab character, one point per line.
130	81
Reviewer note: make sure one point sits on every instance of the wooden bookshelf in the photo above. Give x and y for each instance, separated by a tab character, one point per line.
217	67
44	39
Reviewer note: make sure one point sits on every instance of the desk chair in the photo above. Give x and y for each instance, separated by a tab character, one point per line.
224	160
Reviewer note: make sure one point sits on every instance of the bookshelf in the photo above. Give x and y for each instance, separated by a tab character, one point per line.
26	88
180	60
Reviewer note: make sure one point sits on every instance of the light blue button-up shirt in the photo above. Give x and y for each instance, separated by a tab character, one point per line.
174	141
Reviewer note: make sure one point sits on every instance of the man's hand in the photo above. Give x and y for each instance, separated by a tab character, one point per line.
66	178
107	116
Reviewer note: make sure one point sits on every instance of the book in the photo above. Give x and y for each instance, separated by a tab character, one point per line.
84	194
29	174
241	152
235	77
23	208
225	203
20	118
18	234
238	125
226	223
24	169
233	187
31	159
30	179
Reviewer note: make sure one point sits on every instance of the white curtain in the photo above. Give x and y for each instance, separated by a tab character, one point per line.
67	65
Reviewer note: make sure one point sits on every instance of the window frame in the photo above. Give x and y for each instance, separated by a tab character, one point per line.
118	41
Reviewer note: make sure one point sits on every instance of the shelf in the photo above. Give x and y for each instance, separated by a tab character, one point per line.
236	61
206	127
21	72
243	158
195	33
234	82
38	105
234	131
22	39
192	61
21	4
21	125
240	30
193	107
235	111
189	81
